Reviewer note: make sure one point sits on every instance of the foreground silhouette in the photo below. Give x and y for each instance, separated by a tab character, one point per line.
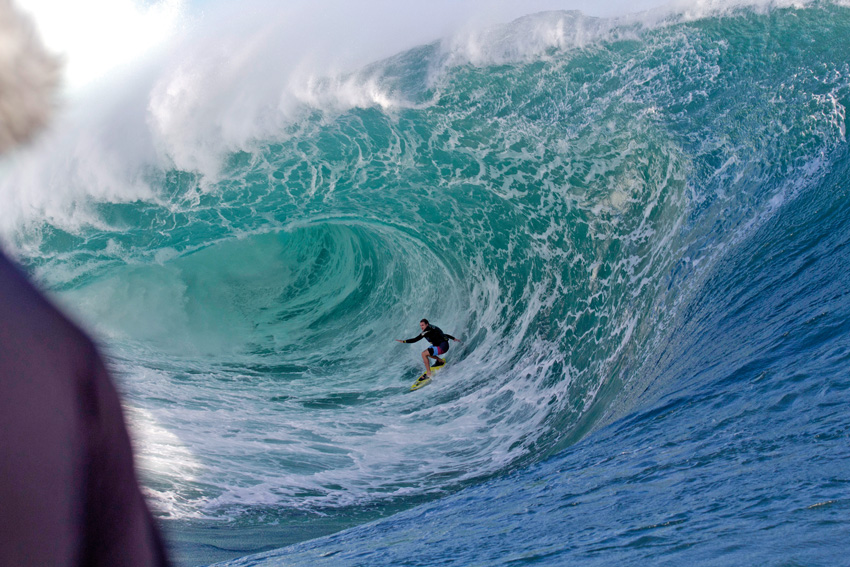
68	490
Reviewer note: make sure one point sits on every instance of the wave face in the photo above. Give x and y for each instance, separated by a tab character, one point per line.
638	231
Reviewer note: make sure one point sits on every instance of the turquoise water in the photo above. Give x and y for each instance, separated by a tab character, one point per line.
637	229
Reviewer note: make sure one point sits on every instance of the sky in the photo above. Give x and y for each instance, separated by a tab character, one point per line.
80	32
96	36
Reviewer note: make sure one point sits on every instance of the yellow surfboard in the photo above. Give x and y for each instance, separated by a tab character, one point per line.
425	379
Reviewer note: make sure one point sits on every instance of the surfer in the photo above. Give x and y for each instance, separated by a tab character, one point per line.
439	344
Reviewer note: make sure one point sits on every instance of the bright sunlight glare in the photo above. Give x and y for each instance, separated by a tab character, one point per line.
95	37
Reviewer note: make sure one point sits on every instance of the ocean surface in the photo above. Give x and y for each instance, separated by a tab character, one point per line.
638	226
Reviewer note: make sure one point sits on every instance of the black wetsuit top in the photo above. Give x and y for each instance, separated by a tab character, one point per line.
434	335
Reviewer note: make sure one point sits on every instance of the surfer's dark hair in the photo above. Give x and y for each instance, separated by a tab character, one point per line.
425	321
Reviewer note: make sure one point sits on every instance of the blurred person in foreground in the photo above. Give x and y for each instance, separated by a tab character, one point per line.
68	490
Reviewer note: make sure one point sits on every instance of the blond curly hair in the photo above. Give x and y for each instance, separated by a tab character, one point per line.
29	76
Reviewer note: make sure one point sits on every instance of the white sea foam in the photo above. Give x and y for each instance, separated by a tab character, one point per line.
227	78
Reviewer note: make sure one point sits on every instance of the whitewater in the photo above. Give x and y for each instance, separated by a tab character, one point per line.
638	224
